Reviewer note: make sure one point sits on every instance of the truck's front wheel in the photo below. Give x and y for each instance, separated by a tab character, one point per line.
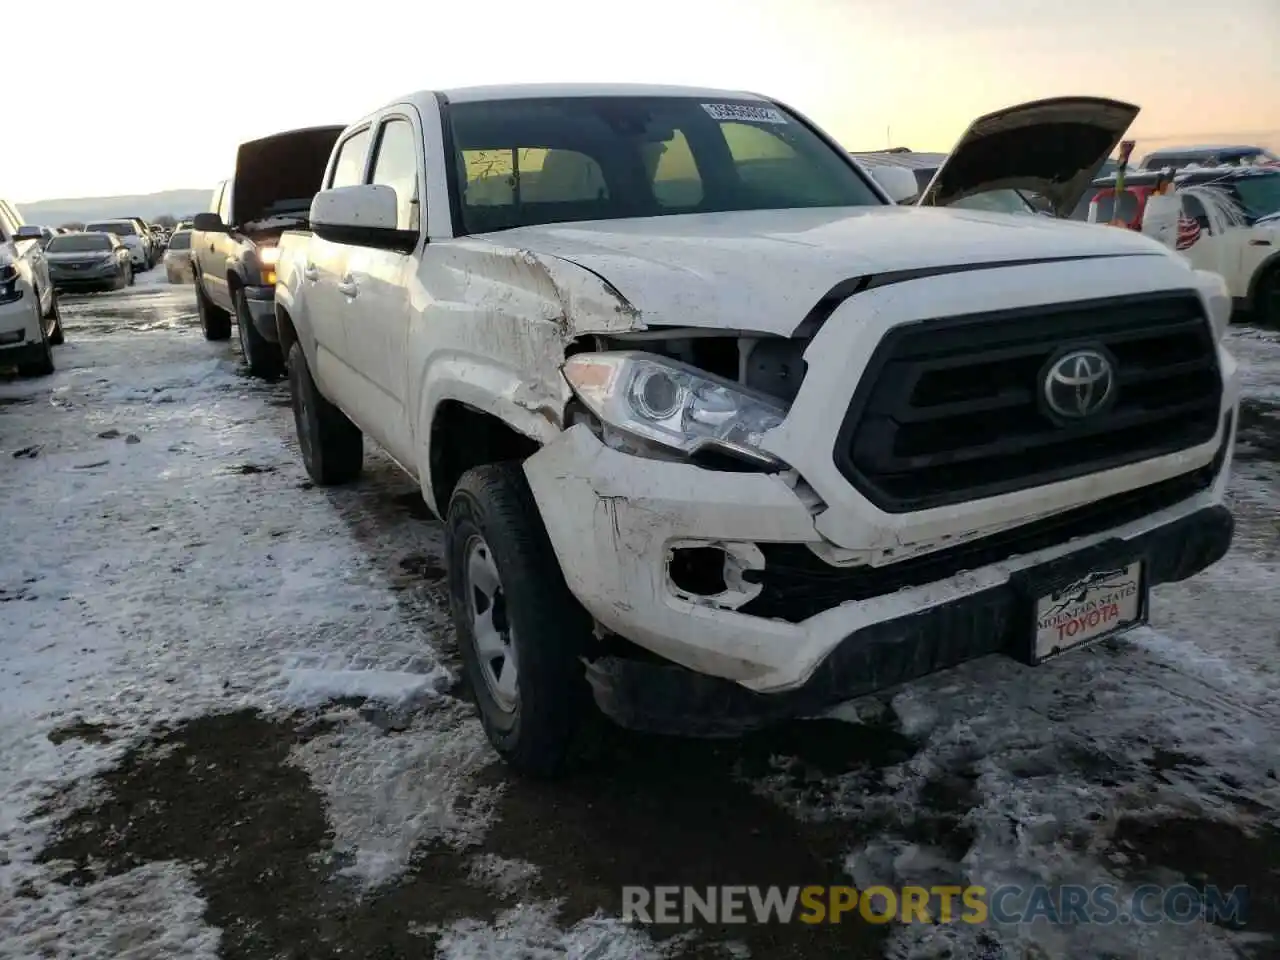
214	321
261	356
521	633
332	446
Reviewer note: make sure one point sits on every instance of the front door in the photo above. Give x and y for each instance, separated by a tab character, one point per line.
327	308
375	291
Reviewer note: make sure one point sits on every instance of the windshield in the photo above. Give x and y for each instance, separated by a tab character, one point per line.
554	160
180	241
1260	195
996	201
79	243
121	228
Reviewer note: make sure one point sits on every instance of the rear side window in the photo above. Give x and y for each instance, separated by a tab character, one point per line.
396	166
348	169
12	220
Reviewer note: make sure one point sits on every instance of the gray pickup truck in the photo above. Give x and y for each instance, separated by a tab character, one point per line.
233	245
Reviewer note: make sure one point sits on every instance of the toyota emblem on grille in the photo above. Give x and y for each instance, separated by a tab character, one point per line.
1079	384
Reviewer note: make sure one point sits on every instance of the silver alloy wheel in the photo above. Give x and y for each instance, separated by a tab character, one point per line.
494	639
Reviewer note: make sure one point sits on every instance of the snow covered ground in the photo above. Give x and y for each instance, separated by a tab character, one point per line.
230	724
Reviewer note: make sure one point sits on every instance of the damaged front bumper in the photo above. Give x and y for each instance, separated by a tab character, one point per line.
785	634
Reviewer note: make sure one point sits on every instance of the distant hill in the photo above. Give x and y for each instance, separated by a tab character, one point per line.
178	203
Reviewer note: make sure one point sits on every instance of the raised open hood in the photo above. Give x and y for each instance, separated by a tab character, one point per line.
280	174
1050	147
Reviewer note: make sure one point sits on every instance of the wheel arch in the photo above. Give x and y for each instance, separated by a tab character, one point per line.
463	435
1264	269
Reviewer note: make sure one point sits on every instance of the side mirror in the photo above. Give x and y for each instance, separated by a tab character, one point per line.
208	223
898	182
28	232
363	215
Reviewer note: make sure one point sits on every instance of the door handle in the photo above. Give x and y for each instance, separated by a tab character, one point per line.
310	272
347	286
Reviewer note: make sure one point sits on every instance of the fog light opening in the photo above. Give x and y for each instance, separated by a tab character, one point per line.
710	574
698	571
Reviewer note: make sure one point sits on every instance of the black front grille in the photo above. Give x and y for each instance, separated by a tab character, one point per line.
797	584
950	410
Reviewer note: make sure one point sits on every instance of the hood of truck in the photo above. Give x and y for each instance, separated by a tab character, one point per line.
283	171
1051	147
765	270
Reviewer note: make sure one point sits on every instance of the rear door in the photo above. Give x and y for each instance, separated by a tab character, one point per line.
375	293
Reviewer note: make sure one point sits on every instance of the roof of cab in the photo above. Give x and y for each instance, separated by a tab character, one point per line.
528	91
1206	148
524	91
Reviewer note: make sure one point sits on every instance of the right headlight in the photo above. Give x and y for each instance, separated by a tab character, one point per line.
674	405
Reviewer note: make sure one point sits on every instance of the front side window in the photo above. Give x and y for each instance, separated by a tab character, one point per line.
349	168
552	160
396	166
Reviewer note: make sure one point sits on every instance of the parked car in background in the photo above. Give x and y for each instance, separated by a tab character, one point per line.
717	434
145	231
924	166
30	321
177	258
131	235
89	261
233	246
46	234
1226	155
1229	223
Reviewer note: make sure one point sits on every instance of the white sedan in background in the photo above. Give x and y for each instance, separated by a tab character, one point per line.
177	257
129	234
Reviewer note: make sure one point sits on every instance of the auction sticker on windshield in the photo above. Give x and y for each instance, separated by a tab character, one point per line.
745	112
1103	603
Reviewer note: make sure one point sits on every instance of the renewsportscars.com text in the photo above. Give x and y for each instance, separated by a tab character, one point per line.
1067	904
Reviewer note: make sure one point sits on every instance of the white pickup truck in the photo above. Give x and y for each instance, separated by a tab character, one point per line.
718	432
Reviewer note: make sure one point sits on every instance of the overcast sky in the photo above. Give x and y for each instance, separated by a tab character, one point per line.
107	98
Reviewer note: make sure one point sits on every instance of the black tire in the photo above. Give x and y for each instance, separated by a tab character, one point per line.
44	366
549	630
128	272
56	337
214	321
1266	299
332	446
261	356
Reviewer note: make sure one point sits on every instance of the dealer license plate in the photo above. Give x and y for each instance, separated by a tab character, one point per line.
1100	604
